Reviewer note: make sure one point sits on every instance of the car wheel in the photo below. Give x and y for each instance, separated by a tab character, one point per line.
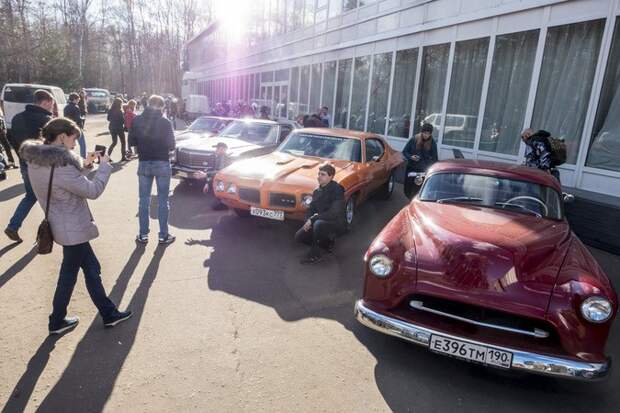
388	187
349	212
242	213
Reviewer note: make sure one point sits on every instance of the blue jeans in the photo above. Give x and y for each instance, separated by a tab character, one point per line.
27	202
161	171
82	142
75	257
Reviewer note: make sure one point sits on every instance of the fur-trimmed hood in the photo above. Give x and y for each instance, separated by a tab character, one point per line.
36	152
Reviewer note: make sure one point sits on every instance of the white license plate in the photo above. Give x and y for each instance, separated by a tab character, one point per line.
267	213
472	352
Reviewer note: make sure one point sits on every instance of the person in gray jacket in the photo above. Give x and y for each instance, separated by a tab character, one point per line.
70	218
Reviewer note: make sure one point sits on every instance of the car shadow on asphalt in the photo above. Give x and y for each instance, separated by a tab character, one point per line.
12	192
89	378
18	265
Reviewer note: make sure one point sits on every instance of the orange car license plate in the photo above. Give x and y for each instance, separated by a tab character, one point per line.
267	213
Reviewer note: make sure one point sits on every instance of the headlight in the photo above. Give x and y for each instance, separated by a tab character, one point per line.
173	156
596	309
232	189
419	180
306	200
220	186
380	265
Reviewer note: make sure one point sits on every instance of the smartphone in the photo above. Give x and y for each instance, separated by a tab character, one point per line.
100	149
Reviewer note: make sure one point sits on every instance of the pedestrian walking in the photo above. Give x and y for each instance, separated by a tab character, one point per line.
83	105
27	125
152	134
52	160
420	153
116	125
5	143
72	111
130	115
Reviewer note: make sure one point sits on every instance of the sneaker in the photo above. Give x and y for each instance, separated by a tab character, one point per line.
142	239
117	318
329	246
168	239
311	259
12	234
67	324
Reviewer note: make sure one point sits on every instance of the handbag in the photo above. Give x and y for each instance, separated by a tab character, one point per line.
45	238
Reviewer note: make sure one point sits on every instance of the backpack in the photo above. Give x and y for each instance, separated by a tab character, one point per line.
558	150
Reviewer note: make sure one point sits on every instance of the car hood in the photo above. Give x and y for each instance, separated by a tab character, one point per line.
235	146
187	135
498	259
286	169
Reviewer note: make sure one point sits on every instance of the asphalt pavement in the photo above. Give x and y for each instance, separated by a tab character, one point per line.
226	319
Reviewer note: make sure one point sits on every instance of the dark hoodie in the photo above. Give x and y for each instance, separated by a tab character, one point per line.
153	135
28	124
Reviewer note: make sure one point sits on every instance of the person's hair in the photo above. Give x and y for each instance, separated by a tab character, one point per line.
156	102
221	145
125	106
328	169
116	104
427	127
421	143
132	104
58	126
325	107
41	96
74	96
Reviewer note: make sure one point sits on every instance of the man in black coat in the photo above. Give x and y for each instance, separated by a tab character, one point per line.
324	217
27	125
73	112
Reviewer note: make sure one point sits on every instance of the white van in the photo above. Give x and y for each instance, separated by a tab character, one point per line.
15	96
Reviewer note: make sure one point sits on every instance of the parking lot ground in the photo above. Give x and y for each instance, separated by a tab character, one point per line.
226	319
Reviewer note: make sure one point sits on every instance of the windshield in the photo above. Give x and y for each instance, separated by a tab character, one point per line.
253	132
96	94
491	192
20	94
206	124
330	147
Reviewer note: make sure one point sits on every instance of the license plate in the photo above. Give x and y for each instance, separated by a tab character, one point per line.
471	352
267	213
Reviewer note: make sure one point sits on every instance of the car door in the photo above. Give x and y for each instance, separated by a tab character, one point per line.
377	170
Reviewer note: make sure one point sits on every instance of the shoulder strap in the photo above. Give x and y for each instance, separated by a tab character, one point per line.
49	193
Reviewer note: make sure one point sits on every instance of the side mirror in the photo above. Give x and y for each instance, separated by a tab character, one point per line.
568	198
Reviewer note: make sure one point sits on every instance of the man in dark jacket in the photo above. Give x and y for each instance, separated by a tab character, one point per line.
27	125
324	217
154	137
73	112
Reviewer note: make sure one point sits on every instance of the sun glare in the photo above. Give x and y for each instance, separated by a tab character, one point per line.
233	17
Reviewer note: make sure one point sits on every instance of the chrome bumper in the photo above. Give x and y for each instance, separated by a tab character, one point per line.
521	361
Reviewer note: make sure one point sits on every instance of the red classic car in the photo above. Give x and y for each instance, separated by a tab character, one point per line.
482	266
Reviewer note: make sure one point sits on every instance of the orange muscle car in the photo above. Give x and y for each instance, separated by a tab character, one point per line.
280	184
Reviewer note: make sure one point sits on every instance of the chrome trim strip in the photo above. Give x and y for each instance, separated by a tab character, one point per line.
538	333
521	360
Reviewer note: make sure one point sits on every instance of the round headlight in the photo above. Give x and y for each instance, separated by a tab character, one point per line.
596	309
232	189
220	186
419	180
380	265
306	200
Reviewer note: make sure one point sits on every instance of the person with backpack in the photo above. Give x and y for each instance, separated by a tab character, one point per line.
543	151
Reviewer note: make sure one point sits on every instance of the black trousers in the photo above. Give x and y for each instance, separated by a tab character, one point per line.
4	141
320	235
75	257
116	135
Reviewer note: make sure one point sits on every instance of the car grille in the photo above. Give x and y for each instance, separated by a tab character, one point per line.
196	160
282	200
249	195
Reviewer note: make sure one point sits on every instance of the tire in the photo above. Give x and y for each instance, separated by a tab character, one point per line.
386	190
349	212
241	213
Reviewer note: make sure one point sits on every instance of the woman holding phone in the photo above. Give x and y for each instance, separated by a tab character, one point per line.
420	153
70	219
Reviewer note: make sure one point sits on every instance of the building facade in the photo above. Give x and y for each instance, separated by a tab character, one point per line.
480	71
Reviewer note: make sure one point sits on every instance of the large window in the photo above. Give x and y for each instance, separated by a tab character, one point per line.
432	85
304	84
470	58
341	111
569	63
359	94
315	88
329	81
511	74
402	92
293	102
379	90
605	146
335	8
